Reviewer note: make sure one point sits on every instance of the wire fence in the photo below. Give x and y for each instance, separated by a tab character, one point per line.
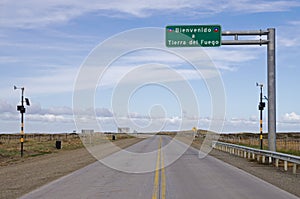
285	144
7	138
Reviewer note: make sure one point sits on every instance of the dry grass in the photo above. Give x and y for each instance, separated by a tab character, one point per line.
40	144
285	142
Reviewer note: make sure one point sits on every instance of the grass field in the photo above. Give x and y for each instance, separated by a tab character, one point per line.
40	144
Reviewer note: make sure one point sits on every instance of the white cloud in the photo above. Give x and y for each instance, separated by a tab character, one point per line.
7	116
255	6
48	118
5	107
33	13
36	115
291	117
160	66
9	59
54	80
288	35
233	55
289	122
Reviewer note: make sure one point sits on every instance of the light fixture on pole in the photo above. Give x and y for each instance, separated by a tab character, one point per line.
261	107
22	110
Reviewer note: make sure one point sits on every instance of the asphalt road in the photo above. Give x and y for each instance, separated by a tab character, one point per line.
148	170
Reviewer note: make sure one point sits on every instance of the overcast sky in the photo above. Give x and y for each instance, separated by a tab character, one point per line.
45	45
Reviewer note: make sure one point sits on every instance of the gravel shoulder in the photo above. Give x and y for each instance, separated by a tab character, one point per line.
28	174
277	176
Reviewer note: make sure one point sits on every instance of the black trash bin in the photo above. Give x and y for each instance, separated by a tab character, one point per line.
113	137
58	144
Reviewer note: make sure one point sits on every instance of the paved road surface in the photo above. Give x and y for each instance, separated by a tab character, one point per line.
187	178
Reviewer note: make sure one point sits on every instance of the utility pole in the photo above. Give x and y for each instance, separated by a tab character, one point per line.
22	110
261	107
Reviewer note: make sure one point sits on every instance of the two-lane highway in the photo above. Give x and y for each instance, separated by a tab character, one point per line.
187	177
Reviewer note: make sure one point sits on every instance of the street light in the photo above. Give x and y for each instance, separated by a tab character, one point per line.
22	110
261	107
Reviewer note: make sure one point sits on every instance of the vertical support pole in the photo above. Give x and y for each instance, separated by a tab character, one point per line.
22	122
271	90
261	118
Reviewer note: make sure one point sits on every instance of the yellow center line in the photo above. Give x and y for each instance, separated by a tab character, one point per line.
163	178
156	178
159	170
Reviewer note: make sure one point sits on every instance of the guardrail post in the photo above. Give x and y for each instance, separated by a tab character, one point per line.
258	158
263	159
270	160
294	168
261	155
285	165
276	162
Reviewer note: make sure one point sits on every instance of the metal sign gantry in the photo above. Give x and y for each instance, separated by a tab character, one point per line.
271	70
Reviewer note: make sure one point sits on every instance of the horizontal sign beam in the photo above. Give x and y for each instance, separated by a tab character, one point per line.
244	42
245	33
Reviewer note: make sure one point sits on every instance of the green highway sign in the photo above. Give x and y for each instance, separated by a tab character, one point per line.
193	36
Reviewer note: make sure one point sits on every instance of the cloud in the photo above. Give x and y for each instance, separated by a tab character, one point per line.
256	6
5	107
8	116
9	59
46	80
34	13
288	36
291	117
160	66
55	79
37	115
48	118
103	112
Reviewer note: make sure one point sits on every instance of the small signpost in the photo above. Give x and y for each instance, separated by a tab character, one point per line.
193	36
194	129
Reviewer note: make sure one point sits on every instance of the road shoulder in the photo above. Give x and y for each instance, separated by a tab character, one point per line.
24	176
284	180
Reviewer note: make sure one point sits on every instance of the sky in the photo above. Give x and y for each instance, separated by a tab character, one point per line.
103	65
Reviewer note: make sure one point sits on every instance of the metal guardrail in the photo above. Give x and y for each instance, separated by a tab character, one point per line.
258	154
